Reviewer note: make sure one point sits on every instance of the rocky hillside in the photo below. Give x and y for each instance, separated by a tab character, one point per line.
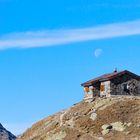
6	135
115	118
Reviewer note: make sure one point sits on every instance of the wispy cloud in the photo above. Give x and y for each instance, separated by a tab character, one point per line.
46	38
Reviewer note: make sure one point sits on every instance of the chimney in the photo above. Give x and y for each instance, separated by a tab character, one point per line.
115	70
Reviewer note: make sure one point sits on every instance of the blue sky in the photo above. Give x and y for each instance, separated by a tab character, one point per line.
48	48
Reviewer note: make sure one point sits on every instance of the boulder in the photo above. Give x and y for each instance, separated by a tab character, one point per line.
118	126
105	131
93	116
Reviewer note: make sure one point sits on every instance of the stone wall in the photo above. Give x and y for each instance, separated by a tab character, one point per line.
125	85
88	96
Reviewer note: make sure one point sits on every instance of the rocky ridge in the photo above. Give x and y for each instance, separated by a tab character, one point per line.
114	118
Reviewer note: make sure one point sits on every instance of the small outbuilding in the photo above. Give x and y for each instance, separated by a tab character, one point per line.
115	83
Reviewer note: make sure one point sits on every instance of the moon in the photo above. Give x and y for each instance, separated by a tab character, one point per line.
98	52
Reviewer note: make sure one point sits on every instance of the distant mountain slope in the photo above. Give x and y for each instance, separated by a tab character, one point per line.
115	118
6	135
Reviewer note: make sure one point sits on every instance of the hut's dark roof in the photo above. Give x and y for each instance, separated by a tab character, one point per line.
110	76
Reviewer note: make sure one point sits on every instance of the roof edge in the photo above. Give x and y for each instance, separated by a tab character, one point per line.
110	76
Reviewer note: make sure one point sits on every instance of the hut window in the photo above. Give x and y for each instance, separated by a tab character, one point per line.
102	88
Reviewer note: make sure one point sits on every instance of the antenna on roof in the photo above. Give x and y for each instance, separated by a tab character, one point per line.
115	70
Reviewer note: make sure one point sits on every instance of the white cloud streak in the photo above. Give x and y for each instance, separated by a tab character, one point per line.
46	38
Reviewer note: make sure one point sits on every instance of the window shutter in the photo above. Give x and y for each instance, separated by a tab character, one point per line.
102	87
86	89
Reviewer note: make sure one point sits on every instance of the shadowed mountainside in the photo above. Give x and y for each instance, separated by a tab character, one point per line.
6	135
114	118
